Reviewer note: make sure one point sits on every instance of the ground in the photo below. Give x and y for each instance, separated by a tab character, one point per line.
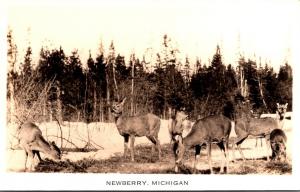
105	154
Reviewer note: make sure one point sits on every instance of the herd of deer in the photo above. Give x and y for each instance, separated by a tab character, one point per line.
205	131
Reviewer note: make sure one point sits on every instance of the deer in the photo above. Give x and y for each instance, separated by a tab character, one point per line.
136	126
32	142
178	120
278	144
258	127
205	131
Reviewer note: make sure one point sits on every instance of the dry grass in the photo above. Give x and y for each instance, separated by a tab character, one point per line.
145	164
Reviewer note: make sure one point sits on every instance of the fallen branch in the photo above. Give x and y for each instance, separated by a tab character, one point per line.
61	134
65	140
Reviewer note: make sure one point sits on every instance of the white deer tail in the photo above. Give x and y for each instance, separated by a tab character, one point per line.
232	132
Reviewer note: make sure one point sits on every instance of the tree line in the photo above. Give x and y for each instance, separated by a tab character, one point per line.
65	88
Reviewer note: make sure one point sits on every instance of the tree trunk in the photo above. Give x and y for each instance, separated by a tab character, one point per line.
243	84
108	97
261	93
12	117
50	112
132	89
59	103
115	82
100	109
95	104
45	108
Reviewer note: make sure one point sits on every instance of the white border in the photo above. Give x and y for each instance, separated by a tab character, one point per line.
58	181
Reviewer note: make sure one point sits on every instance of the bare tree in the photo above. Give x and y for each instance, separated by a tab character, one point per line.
132	83
12	59
59	103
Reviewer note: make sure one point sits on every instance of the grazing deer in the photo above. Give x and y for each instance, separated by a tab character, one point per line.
208	130
32	141
258	127
277	141
137	126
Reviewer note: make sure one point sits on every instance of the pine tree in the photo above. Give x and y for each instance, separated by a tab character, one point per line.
52	68
73	87
26	70
285	85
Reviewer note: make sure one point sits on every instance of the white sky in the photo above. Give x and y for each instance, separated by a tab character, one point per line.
265	28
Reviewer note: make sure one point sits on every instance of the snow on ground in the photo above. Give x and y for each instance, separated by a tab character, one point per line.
106	138
103	136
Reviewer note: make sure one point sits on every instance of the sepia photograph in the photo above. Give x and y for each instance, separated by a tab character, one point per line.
149	94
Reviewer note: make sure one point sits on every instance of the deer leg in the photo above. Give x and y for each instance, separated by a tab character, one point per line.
126	139
238	145
233	148
132	138
31	156
197	156
209	157
222	147
226	155
158	147
152	149
38	155
153	144
241	151
26	157
267	147
156	143
28	152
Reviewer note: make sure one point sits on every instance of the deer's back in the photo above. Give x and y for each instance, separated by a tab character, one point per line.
212	128
256	126
141	125
278	135
29	132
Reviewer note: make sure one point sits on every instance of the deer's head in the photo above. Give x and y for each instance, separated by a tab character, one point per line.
281	110
178	149
279	150
117	108
55	152
177	125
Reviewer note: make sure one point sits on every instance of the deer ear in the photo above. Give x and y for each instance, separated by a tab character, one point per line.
123	101
176	137
53	144
277	104
186	116
180	139
286	104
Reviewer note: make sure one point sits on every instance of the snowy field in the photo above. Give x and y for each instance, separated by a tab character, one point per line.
106	139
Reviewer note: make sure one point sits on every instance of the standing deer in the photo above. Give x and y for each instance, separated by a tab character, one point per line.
208	130
32	141
258	127
137	126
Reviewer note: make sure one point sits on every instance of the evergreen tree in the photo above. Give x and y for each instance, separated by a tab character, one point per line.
284	89
26	70
52	68
73	86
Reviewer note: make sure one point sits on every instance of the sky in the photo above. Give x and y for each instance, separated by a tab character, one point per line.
257	29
